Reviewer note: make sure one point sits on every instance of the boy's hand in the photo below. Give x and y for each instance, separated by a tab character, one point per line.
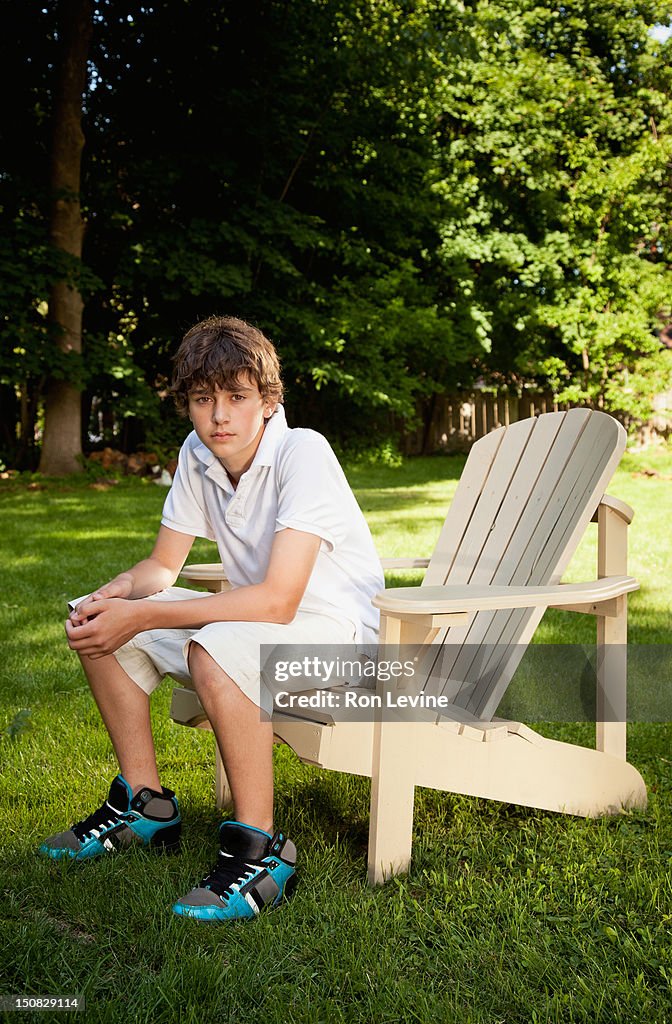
120	586
101	625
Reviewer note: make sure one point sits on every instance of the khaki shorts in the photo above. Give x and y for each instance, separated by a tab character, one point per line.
235	646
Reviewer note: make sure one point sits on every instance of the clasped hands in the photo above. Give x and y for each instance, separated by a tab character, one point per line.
104	621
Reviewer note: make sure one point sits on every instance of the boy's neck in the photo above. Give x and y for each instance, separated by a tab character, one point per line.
234	475
233	479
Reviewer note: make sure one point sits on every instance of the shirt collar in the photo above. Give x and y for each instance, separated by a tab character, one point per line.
275	429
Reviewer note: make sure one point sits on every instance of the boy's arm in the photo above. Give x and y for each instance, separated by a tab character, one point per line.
158	571
112	622
276	599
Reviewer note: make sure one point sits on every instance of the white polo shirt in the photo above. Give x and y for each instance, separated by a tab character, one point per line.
294	481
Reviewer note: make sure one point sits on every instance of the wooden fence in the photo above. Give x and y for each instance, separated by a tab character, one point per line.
461	419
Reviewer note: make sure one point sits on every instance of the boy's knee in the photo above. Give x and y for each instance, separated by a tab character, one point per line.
93	666
203	669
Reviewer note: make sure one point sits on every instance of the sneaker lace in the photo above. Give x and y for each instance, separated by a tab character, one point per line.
228	875
101	819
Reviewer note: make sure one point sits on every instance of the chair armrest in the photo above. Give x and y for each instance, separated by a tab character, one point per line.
475	598
404	563
210	575
214	571
204	571
622	509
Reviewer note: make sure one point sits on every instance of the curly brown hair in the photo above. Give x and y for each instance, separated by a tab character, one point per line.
218	352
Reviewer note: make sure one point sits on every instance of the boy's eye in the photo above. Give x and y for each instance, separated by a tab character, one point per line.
238	398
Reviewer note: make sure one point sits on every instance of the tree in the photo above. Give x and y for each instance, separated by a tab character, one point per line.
62	416
405	195
293	190
25	264
553	159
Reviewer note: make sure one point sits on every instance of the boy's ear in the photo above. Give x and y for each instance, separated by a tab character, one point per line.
269	409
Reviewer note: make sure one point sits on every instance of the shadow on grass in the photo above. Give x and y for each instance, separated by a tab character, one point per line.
414	471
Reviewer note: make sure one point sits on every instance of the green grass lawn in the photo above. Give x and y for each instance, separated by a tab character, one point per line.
508	915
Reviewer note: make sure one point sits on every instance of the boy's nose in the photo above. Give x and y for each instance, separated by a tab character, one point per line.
220	412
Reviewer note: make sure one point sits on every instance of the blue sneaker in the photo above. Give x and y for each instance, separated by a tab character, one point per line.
147	819
254	870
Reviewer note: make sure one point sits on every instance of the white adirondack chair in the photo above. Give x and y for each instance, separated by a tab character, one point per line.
525	499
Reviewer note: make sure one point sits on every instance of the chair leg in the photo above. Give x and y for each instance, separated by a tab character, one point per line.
612	638
612	682
392	781
223	794
392	796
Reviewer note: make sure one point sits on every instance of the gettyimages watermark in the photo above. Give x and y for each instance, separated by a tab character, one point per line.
535	683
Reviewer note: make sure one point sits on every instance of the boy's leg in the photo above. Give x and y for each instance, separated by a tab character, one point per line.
138	809
124	708
255	869
245	740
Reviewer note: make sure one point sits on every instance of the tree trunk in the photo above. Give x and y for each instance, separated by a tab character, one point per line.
9	416
62	415
31	390
428	413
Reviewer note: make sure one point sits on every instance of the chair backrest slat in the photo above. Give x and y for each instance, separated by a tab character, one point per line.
530	496
472	481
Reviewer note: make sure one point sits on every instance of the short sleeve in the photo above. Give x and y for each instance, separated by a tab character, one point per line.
184	508
313	493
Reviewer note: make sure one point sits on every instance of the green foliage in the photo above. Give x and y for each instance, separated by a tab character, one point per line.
405	196
554	155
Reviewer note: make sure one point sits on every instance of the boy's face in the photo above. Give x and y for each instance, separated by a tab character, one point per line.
230	423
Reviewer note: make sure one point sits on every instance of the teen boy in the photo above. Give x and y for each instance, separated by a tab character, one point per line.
299	554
